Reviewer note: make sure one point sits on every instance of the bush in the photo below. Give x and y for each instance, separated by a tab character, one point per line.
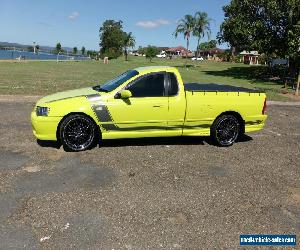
263	59
237	59
225	56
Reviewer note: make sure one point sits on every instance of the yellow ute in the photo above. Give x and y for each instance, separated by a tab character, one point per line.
148	102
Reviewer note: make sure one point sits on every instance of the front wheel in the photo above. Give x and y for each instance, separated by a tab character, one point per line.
77	133
225	130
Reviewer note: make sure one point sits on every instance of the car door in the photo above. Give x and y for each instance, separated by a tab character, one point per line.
177	105
147	109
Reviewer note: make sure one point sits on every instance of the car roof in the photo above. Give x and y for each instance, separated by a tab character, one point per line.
149	69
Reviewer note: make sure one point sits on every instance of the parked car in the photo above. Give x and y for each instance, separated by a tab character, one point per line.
197	58
161	55
148	102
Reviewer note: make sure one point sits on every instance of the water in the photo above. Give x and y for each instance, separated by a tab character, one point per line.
15	54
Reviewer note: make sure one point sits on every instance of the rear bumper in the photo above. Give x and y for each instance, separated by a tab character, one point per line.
255	123
44	127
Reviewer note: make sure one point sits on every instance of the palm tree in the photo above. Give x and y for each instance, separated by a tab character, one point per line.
128	42
202	26
83	50
185	26
58	48
75	50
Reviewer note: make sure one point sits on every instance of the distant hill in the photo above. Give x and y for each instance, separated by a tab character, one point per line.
24	46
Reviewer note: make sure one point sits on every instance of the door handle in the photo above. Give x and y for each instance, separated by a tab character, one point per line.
157	106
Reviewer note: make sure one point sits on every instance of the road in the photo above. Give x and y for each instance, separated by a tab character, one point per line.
166	193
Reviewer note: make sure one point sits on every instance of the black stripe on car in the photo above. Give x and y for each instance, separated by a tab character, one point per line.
107	122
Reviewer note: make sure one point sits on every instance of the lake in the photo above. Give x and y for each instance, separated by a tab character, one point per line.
15	54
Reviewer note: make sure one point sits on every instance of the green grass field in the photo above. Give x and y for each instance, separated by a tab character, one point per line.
46	77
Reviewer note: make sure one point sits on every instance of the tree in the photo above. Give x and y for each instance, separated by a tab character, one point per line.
141	50
225	55
185	26
128	42
111	39
151	52
93	54
75	50
208	45
203	46
82	50
58	48
212	44
267	26
202	26
294	53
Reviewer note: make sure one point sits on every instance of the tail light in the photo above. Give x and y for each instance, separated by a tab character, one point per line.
264	110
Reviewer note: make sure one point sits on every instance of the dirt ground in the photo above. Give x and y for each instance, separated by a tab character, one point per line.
292	96
165	193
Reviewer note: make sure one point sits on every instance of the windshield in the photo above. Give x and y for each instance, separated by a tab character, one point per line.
116	82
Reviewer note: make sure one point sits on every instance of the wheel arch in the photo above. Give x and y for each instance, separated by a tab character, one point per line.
98	130
238	116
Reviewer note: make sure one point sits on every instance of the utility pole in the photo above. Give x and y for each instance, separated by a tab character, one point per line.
298	82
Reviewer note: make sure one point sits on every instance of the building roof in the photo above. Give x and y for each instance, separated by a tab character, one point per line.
252	53
178	48
211	51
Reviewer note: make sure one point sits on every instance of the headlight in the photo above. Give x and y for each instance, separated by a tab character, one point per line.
42	111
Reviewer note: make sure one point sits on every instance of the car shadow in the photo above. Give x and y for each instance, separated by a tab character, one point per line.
183	66
149	141
49	144
244	138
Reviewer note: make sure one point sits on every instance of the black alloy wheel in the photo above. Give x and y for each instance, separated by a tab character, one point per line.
77	133
225	130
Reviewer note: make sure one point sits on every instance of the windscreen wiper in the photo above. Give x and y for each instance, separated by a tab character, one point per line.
99	89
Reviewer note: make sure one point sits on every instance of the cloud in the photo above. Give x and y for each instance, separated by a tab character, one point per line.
74	15
152	24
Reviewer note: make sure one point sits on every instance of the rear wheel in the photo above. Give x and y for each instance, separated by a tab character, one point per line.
225	130
77	132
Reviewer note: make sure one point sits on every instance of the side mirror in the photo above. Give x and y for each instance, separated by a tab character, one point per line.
125	94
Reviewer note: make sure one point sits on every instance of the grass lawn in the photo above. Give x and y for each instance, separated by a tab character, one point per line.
46	77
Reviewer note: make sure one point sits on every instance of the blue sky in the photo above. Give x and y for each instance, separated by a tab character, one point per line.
77	22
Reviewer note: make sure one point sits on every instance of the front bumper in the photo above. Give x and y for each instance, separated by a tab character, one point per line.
44	127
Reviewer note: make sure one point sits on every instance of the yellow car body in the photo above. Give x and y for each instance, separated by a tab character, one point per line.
184	113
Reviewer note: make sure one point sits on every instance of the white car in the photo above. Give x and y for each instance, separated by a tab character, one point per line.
197	58
161	56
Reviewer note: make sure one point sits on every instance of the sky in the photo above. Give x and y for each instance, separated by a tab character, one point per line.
77	22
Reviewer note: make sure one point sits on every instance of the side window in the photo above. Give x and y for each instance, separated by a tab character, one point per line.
148	86
173	84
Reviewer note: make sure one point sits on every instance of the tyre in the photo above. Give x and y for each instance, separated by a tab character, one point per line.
225	130
77	133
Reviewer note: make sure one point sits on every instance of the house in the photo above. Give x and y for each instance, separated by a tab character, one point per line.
211	54
250	57
179	51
